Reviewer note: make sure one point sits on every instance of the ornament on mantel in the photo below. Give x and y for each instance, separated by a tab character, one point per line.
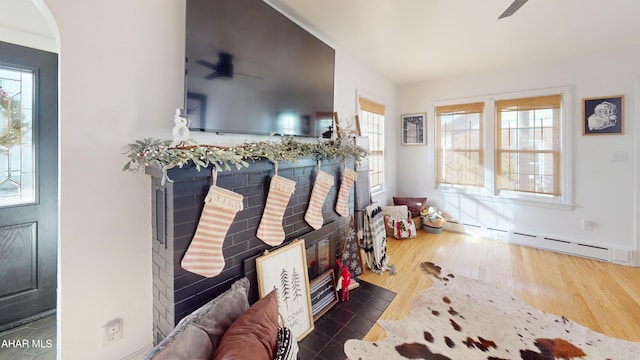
180	130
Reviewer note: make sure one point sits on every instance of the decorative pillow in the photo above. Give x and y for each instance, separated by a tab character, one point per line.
211	319
403	229
415	204
191	343
216	316
287	347
253	334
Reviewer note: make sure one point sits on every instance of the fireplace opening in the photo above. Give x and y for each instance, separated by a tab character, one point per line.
320	248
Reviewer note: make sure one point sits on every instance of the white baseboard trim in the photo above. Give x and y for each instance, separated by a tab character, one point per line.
627	257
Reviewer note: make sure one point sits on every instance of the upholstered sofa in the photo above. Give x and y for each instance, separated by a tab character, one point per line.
228	328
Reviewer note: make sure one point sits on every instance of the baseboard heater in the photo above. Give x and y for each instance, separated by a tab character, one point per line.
532	240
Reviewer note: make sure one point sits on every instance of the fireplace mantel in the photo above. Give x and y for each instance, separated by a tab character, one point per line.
176	208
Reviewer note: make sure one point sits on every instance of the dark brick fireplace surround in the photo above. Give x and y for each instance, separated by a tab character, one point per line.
176	208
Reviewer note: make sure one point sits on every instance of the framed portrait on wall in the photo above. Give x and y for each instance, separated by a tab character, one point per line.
413	130
603	115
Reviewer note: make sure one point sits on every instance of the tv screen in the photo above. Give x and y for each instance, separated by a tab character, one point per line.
251	70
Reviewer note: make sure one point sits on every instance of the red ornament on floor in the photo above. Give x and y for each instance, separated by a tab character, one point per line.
345	280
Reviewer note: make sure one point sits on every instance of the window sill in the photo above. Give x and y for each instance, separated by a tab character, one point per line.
377	192
549	204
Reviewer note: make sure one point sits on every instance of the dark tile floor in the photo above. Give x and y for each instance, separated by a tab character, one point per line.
351	319
33	341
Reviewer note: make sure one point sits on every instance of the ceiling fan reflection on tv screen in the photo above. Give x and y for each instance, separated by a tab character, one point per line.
250	69
223	68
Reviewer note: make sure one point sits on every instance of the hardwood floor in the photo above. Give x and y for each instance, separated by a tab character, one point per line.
602	296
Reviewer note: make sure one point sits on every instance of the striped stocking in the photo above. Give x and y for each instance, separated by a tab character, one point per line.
204	255
342	205
270	229
313	216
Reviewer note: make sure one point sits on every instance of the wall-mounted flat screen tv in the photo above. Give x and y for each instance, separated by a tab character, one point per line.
252	70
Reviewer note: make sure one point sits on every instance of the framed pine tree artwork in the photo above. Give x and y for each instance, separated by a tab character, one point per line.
285	269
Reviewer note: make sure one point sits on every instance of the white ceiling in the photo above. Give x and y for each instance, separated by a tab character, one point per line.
414	40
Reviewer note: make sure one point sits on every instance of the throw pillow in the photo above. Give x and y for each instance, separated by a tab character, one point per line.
415	204
403	229
211	319
216	316
190	344
255	332
287	348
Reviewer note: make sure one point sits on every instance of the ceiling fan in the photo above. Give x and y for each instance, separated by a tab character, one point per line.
223	68
515	5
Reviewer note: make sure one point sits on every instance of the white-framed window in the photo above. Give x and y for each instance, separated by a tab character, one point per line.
459	148
371	120
528	146
507	146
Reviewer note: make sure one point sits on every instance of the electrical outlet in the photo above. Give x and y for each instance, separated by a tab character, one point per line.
588	225
112	331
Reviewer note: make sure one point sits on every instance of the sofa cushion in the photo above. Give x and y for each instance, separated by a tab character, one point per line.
211	319
216	316
255	332
415	204
192	343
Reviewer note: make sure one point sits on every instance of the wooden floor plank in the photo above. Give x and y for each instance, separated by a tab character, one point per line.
602	296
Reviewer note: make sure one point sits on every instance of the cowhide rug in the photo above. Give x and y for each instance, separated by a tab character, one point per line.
463	319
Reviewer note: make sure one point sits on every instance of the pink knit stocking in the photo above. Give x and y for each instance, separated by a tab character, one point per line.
324	182
342	205
204	255
270	229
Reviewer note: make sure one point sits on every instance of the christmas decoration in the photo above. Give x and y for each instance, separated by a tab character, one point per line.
342	205
204	255
11	110
270	229
323	183
152	152
180	130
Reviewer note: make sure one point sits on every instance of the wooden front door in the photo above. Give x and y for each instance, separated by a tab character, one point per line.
28	183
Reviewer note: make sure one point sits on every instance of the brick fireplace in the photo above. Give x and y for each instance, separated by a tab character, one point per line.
176	208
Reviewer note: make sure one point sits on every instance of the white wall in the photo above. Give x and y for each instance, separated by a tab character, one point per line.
121	79
604	191
353	78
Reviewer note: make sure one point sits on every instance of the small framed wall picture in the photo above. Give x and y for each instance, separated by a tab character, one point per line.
603	115
413	130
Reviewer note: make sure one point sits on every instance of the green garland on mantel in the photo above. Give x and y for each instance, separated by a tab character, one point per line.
152	152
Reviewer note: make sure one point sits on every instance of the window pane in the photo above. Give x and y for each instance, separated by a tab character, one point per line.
528	145
372	125
459	153
16	136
